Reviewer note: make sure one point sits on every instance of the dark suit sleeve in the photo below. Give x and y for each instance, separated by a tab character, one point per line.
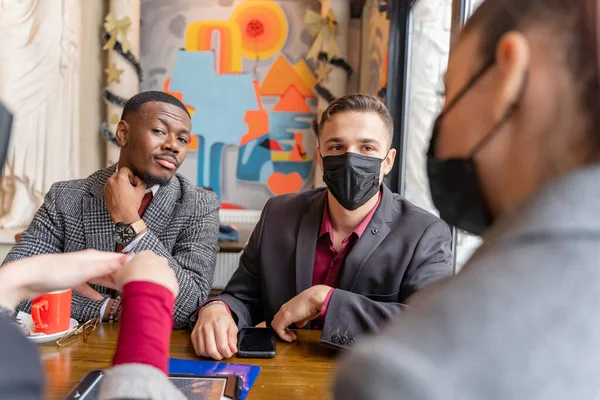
193	258
21	375
243	291
351	315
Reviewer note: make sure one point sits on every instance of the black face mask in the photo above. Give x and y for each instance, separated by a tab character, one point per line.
454	183
353	179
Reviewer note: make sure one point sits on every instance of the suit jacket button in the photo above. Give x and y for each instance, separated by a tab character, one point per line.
375	231
344	339
335	338
351	341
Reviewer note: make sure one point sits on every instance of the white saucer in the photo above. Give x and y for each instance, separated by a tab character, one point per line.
43	338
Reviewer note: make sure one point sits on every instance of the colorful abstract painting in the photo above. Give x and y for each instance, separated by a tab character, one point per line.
240	70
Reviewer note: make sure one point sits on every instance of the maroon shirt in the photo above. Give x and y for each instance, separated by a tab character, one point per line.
329	263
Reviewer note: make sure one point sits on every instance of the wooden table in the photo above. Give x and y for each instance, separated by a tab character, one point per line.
301	370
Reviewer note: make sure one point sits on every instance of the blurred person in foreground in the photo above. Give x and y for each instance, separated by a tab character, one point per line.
514	155
149	288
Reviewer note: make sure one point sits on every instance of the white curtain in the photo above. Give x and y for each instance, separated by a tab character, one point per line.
39	80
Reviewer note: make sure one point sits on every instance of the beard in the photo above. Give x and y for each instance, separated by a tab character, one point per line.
149	179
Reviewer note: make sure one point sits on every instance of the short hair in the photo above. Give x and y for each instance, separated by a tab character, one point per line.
572	32
136	102
358	102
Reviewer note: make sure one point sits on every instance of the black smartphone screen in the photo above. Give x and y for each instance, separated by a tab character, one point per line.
256	342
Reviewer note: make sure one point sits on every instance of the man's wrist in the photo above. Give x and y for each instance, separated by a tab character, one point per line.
214	303
319	295
109	305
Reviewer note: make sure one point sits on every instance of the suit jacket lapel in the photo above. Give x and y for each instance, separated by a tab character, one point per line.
376	232
160	210
307	242
97	223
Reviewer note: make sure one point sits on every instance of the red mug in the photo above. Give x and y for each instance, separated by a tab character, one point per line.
51	312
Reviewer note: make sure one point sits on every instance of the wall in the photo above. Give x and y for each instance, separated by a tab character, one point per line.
91	144
240	68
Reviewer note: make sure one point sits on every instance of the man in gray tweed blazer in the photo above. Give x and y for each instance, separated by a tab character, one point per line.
139	204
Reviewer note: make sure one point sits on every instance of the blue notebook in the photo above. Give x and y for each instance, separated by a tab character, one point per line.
248	373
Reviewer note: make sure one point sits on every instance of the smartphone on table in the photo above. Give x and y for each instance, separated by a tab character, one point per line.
256	343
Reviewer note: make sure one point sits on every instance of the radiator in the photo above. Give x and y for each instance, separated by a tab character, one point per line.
228	262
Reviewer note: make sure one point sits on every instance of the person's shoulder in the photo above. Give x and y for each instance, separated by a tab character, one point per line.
406	211
198	196
76	188
291	202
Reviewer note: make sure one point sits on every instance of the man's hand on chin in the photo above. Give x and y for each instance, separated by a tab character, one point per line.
123	194
303	308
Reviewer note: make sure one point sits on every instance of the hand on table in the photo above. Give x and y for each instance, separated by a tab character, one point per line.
215	333
30	277
303	308
123	194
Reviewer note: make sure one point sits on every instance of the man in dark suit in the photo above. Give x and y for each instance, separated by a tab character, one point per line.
139	204
342	259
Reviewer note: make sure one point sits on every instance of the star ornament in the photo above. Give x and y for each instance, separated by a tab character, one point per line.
118	29
113	74
322	72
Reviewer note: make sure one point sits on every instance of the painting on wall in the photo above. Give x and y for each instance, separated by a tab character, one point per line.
374	54
240	69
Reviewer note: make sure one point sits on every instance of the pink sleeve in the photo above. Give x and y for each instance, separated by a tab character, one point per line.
146	324
325	305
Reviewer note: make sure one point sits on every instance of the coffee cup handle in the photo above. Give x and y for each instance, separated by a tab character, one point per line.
36	315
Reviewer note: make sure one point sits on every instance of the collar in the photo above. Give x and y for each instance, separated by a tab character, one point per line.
152	189
326	227
567	205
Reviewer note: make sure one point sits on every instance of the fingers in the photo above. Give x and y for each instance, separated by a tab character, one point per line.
137	182
210	344
291	334
222	341
215	333
96	265
197	340
88	292
232	336
280	324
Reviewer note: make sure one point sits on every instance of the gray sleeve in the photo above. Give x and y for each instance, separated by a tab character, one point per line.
193	259
21	374
381	370
45	235
137	381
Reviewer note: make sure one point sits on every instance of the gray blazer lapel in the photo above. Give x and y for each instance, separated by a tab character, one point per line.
159	211
307	242
98	225
376	232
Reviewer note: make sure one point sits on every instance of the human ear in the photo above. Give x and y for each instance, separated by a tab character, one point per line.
512	59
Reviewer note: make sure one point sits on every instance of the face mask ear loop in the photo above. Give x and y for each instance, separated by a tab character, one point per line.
507	114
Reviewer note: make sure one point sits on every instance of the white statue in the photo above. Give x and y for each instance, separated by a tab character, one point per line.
39	81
